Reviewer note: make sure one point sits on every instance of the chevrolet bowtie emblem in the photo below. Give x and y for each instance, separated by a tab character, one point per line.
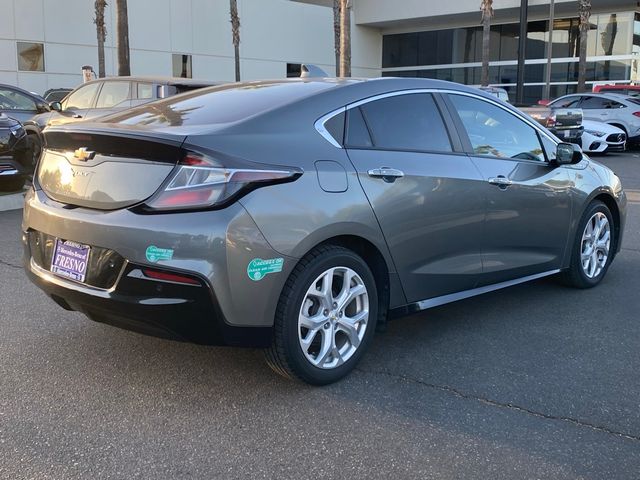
83	154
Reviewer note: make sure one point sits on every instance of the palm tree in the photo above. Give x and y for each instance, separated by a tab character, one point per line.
584	12
486	7
336	34
235	32
101	32
122	38
345	38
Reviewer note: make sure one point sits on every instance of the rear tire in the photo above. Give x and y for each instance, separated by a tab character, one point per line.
324	325
593	248
35	149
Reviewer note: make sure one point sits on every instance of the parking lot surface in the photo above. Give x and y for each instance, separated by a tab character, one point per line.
537	381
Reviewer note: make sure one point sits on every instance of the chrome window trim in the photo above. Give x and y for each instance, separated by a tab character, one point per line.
320	123
322	130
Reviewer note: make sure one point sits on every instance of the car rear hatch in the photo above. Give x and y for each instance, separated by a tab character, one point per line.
106	167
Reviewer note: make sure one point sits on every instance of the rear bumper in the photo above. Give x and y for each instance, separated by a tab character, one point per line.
161	309
226	308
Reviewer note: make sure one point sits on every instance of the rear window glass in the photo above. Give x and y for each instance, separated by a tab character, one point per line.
219	104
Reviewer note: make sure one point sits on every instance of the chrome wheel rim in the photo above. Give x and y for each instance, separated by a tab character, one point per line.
596	241
333	317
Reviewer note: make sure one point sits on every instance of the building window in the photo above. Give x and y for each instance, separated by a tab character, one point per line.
181	65
30	57
294	70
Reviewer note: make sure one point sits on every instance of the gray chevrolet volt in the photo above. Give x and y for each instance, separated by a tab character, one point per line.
300	215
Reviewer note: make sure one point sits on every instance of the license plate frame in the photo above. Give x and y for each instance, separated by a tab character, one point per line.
70	260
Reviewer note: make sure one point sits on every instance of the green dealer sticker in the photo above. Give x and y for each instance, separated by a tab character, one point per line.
258	268
155	254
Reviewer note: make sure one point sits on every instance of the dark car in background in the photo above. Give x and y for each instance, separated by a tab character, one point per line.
15	159
23	106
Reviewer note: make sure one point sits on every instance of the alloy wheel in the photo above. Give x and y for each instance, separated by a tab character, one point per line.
596	242
333	317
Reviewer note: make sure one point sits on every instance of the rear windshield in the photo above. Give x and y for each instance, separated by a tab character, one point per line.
217	105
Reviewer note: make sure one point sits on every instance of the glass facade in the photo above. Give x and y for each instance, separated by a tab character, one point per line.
456	54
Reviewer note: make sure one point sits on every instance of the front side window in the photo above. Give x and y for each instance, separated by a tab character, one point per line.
82	98
13	100
495	132
113	94
406	122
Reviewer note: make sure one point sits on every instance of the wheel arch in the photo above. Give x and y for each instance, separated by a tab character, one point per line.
390	293
612	205
621	126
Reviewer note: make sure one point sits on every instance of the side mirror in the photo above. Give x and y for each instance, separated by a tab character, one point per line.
57	106
568	153
544	103
42	107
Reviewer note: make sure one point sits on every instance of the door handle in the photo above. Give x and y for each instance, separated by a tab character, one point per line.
388	174
501	181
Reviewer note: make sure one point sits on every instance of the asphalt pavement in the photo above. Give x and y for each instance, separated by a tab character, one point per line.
535	382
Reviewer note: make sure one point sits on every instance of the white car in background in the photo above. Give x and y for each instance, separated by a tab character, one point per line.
618	110
600	137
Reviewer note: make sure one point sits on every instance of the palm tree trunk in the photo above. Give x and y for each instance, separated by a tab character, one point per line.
486	37
122	38
336	34
101	32
235	33
487	12
345	38
584	11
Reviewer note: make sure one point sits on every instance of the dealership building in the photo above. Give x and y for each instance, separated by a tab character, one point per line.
44	43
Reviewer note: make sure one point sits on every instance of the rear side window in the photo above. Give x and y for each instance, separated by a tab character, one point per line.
145	91
113	94
357	135
335	127
495	132
590	103
407	122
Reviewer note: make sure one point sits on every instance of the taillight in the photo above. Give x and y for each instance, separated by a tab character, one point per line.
636	114
201	182
551	121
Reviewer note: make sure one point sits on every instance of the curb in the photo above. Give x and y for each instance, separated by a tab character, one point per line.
14	201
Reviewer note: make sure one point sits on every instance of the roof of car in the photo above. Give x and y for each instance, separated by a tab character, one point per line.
22	90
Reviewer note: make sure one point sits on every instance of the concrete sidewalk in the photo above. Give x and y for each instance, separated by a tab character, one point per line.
11	201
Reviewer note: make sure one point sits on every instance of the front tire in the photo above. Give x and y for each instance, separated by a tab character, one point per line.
326	317
593	248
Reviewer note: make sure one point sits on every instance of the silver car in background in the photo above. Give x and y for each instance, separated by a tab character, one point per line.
300	215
